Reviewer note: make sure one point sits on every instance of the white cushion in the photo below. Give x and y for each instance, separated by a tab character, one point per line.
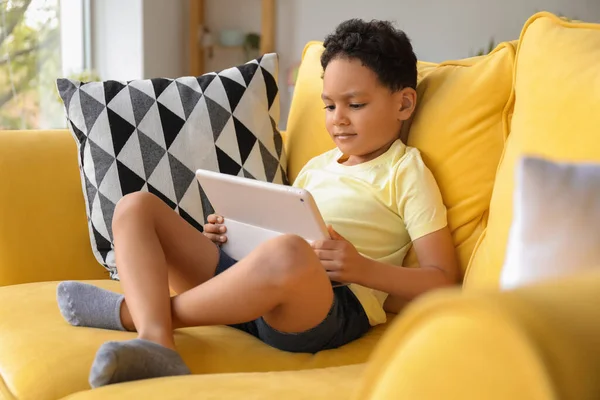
556	223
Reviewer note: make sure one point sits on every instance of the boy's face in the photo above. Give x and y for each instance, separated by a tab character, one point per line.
363	116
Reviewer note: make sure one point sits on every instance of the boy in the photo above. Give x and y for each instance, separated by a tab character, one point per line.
375	192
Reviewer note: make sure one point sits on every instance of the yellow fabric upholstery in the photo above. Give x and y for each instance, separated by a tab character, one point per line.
43	228
306	134
555	116
326	384
539	342
459	127
43	357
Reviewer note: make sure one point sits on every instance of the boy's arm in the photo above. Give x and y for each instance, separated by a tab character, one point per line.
435	253
438	268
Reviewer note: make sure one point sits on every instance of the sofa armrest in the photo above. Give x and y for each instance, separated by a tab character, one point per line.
537	342
43	227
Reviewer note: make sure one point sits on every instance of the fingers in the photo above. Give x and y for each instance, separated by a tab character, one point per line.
327	244
334	276
334	270
333	233
325	255
331	265
213	230
217	229
216	237
215	219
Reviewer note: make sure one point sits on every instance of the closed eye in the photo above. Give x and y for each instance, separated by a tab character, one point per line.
354	106
357	106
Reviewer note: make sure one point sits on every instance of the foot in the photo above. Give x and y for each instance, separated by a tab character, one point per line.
134	360
87	305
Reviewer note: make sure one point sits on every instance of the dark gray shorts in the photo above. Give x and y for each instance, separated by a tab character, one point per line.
345	322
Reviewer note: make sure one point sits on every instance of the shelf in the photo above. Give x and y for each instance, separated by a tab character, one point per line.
197	20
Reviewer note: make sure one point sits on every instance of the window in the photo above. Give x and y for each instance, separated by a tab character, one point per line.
40	40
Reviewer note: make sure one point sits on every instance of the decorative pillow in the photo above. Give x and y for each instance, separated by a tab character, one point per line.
152	135
557	98
556	222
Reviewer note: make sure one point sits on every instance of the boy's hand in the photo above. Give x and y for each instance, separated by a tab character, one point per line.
340	258
214	230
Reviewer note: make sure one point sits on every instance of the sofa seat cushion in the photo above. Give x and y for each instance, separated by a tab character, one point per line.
43	357
329	383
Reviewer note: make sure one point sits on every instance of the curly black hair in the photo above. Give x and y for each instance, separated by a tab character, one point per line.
379	46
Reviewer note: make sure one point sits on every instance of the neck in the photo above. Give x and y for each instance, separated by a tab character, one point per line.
359	159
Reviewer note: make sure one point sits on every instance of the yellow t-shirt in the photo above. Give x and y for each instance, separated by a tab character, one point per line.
380	206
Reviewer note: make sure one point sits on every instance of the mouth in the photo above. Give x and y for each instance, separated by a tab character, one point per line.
344	136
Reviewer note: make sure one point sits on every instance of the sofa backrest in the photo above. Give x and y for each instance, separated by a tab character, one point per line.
556	115
459	126
43	228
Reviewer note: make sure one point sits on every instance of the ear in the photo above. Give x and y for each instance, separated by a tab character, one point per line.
406	100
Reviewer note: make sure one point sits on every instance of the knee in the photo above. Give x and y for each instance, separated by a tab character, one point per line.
133	205
290	258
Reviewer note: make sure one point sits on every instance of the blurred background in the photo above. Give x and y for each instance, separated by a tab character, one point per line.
41	40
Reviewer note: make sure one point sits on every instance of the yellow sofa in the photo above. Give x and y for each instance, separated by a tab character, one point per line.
475	118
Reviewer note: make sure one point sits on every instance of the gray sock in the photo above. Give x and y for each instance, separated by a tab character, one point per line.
82	304
133	360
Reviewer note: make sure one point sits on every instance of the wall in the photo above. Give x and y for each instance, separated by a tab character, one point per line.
71	36
165	39
439	29
137	39
117	39
148	38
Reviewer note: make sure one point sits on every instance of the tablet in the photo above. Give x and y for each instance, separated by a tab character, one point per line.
255	211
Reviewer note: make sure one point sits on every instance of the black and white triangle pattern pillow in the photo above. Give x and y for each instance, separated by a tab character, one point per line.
152	135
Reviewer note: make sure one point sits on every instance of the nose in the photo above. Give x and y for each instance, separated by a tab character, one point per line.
339	117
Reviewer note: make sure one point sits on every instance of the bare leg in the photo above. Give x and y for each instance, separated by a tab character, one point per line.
148	236
282	280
